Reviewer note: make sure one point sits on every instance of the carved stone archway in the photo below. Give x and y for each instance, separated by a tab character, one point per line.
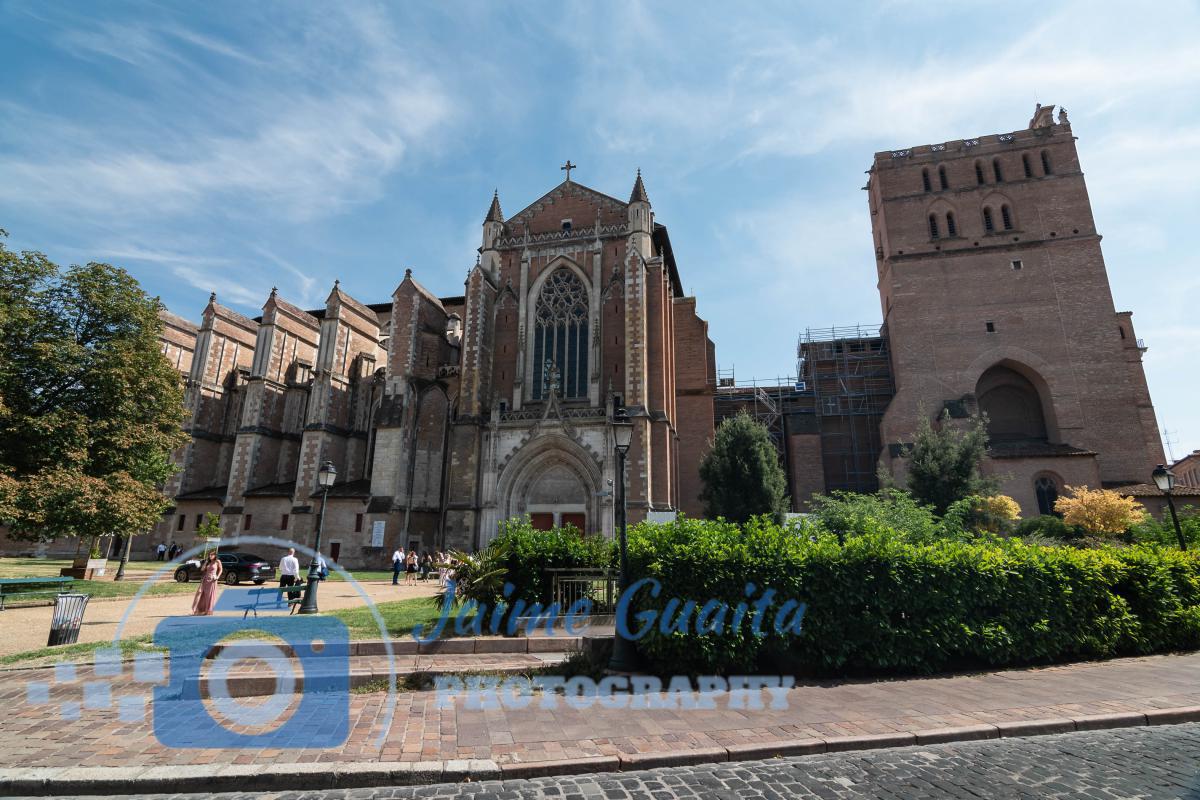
552	474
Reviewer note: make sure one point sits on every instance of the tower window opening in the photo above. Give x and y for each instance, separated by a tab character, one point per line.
991	327
933	227
1006	216
942	177
1025	163
1046	164
951	225
988	224
925	180
979	179
997	171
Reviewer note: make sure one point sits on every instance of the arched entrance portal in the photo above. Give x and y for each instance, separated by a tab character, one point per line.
557	498
555	481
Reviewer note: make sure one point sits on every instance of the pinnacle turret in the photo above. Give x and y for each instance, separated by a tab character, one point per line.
638	195
494	213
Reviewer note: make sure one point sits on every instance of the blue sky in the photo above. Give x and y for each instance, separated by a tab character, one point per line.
236	146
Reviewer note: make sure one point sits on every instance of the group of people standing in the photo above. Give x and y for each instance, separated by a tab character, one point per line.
167	552
420	566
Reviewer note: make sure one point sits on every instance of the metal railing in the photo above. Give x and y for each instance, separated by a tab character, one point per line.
570	585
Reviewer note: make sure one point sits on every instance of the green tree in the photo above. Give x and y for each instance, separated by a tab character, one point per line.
944	464
90	410
741	473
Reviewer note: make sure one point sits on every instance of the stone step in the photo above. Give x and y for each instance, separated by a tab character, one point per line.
260	677
487	645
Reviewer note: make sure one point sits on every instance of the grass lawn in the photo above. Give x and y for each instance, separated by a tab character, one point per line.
400	617
46	656
49	567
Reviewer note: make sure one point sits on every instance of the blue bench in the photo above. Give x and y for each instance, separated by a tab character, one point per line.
25	587
268	599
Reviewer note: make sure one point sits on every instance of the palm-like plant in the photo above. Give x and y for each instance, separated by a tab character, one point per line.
476	576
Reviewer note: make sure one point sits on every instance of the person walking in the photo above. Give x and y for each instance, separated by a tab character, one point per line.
411	569
162	552
426	566
289	573
397	565
443	568
206	595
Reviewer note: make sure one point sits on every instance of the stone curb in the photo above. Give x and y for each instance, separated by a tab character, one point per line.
48	781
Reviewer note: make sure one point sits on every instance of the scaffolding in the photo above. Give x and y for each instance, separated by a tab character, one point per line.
848	371
767	401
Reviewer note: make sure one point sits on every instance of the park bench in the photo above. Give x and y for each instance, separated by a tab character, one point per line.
268	599
28	587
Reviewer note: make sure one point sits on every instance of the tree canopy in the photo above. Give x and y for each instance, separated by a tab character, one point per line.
741	473
90	410
944	463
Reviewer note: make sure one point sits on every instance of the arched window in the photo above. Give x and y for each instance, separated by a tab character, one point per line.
988	224
560	338
1046	164
996	169
925	180
951	225
979	174
1006	216
1025	163
942	177
933	226
1046	489
1122	331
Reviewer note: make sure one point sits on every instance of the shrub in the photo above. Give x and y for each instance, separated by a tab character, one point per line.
741	472
1153	531
1100	512
521	555
881	604
1049	527
978	514
944	462
846	513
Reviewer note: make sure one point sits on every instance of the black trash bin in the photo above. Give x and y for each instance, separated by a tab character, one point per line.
68	616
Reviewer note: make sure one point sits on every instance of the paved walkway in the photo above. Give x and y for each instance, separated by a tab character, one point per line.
1153	763
27	628
818	717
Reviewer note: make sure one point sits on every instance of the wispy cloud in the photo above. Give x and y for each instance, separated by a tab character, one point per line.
307	147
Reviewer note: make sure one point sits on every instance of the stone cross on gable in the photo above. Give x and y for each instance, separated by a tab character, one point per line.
568	167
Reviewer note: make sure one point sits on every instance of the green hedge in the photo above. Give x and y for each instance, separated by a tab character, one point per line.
522	556
880	604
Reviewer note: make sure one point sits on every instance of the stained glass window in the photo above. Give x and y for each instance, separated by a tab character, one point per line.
560	339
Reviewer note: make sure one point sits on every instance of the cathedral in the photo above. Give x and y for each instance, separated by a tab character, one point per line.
445	416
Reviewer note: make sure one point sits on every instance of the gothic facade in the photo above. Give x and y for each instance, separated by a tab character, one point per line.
445	416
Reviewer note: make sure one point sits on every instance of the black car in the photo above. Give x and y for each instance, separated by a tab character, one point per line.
237	567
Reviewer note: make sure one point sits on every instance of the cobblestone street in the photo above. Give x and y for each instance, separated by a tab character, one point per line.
1152	763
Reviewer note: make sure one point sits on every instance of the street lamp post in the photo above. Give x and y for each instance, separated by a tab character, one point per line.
623	657
1164	479
325	478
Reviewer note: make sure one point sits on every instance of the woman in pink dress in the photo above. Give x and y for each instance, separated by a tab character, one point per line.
206	595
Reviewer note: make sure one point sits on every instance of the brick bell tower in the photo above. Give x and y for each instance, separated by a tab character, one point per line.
995	298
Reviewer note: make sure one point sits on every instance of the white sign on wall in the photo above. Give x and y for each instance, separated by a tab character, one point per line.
377	529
